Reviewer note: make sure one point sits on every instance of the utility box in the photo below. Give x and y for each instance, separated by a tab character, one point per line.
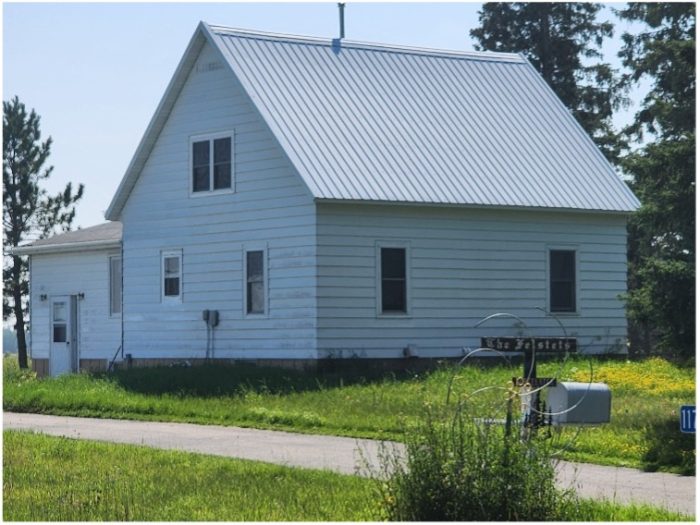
592	402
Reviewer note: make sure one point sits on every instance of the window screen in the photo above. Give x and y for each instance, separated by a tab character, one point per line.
393	266
562	281
211	164
115	285
200	166
255	283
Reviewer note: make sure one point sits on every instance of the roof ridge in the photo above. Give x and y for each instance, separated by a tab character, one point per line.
370	46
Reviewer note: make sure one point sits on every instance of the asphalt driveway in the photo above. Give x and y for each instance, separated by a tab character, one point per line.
340	454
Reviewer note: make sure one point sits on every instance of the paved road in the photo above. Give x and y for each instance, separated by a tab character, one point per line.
344	455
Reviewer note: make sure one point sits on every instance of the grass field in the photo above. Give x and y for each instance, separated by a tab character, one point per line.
59	479
643	433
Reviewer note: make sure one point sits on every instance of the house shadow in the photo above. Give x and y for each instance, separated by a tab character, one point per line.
669	448
223	379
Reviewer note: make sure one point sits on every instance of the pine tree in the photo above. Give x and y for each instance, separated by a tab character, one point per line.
661	301
28	211
557	38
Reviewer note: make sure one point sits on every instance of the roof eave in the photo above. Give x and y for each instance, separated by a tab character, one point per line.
473	206
156	124
65	247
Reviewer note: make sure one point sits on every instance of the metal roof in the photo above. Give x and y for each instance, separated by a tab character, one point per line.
372	122
101	236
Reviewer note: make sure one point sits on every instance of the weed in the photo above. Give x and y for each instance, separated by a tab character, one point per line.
461	467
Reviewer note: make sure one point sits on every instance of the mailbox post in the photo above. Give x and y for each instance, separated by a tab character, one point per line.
568	403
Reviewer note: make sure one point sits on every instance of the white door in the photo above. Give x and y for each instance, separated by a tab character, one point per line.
62	359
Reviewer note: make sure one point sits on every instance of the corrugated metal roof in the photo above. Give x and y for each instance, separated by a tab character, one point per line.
107	234
385	123
370	122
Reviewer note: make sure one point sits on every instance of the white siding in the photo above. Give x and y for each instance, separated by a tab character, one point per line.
270	205
70	274
464	265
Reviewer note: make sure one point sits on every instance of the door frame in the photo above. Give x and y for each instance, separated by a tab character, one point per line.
72	331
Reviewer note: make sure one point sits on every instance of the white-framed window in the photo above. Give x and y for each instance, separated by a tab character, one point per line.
171	276
255	300
393	278
562	280
115	285
211	163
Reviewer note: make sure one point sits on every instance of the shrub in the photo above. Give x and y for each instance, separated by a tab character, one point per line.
458	468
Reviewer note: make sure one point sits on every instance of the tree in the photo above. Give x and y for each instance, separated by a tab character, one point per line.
661	301
28	211
557	38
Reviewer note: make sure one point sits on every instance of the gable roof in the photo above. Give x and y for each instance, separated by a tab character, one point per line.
106	235
379	123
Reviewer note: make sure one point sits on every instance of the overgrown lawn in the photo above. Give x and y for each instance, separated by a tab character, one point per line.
644	431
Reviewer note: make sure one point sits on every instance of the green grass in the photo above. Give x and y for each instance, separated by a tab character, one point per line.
58	479
643	432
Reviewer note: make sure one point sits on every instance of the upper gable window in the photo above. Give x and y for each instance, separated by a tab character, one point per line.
211	158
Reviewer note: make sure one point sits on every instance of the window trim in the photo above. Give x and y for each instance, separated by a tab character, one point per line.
577	276
406	245
211	137
113	314
170	298
256	247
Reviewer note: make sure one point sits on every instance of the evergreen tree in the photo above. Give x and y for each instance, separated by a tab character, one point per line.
557	38
28	211
662	233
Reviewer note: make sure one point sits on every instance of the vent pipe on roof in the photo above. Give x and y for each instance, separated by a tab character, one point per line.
341	12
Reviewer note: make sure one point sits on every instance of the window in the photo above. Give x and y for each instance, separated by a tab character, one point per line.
172	275
255	281
393	282
562	280
115	285
212	161
60	327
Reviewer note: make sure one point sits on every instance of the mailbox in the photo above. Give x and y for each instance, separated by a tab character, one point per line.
591	401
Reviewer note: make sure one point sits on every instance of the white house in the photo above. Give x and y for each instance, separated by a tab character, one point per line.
339	199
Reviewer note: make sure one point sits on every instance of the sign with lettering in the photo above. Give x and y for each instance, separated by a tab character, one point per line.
528	344
535	382
688	419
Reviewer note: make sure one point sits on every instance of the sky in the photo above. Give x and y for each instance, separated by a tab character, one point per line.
96	72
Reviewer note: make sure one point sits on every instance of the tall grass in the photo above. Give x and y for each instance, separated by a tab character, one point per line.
373	406
459	468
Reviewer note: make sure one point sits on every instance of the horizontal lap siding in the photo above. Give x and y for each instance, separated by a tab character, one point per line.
270	205
72	274
464	265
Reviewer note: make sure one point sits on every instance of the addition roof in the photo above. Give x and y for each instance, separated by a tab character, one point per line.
106	235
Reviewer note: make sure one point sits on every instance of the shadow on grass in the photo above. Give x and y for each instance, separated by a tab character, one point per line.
668	448
217	380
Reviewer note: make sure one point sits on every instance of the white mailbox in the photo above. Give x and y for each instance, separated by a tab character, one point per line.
592	403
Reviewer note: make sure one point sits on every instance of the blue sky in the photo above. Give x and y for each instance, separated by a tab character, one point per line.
96	72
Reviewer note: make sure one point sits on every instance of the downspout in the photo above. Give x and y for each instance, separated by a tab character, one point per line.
31	315
121	248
